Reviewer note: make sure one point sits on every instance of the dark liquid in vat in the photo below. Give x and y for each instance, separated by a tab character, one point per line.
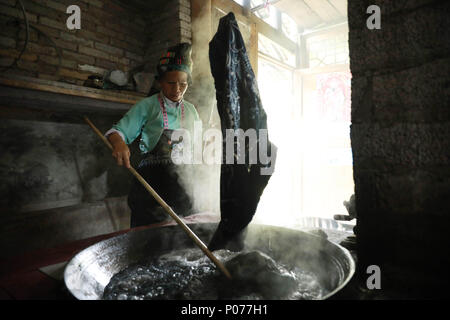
189	275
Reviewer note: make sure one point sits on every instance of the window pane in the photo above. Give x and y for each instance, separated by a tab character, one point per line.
328	50
276	88
241	2
289	27
274	50
268	14
255	3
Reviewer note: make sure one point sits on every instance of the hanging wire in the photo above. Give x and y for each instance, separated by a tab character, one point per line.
27	36
51	42
27	29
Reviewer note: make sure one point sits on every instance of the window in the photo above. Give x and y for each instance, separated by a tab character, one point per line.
289	27
279	203
240	2
255	3
308	117
273	50
325	51
276	19
269	15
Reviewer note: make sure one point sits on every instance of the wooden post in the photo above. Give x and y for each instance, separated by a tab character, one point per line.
202	92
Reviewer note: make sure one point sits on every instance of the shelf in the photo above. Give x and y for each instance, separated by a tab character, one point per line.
26	92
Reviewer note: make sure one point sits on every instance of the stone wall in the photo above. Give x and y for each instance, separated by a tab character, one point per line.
401	142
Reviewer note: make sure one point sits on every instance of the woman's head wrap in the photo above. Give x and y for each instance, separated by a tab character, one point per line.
177	58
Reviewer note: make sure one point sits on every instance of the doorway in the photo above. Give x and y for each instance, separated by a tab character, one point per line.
308	109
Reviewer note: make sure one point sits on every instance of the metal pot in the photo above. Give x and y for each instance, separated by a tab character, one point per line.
88	273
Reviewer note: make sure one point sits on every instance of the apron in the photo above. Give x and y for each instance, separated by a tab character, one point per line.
158	169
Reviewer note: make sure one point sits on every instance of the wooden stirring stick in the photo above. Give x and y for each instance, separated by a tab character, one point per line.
166	207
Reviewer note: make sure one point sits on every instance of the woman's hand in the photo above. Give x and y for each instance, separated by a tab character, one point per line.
121	152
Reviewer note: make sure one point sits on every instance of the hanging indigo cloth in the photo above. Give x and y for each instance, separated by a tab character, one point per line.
239	107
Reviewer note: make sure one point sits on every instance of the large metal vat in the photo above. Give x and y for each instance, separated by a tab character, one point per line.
87	274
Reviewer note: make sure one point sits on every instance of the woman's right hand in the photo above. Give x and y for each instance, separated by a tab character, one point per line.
121	152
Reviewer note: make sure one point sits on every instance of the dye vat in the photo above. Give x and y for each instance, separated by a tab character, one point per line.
164	263
189	275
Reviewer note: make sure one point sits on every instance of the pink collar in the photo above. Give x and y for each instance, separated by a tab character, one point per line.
162	104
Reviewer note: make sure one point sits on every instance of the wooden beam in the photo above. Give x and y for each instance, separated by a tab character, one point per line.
274	35
324	9
303	15
262	27
231	6
201	36
62	103
68	89
202	93
253	54
340	5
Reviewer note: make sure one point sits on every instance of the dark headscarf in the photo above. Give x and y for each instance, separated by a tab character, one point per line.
176	58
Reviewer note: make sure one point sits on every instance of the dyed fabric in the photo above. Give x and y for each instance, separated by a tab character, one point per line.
239	106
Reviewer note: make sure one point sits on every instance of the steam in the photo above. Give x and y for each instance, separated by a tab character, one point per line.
202	181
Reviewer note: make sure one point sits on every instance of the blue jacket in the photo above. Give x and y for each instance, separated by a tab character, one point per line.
146	118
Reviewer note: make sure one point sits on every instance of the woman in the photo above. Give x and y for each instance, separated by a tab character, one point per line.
154	119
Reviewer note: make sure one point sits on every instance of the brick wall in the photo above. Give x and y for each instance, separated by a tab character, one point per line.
169	25
112	36
70	200
400	141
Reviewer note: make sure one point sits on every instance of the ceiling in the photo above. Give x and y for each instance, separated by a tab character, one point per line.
310	14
